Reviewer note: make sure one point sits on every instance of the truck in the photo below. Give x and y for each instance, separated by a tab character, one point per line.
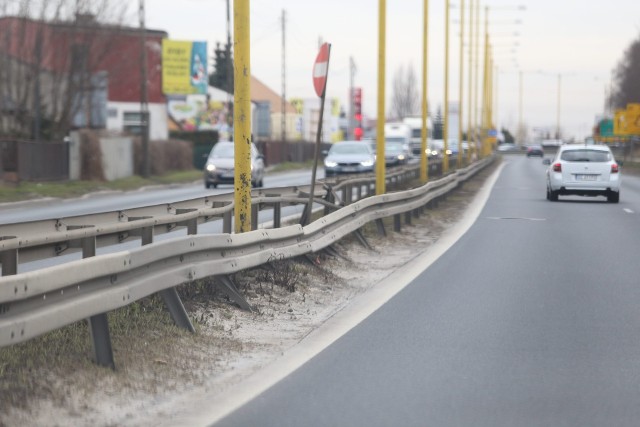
414	124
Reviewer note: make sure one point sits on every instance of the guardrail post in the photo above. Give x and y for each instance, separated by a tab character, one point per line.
277	215
99	331
170	295
397	222
407	217
381	229
232	292
9	261
359	192
254	217
226	222
98	324
348	197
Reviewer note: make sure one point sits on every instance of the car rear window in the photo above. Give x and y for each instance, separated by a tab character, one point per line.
585	156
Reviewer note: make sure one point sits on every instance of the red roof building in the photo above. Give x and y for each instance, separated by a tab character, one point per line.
89	73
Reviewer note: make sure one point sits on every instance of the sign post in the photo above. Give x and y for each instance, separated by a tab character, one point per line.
320	74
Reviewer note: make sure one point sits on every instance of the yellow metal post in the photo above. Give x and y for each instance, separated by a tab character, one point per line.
476	82
470	98
380	166
461	88
242	116
445	127
424	162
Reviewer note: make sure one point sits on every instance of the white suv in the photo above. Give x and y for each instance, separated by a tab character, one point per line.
583	170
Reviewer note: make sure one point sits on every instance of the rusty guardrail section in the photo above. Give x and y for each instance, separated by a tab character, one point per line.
36	302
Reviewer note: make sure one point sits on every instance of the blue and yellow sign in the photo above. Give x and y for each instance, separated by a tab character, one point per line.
184	67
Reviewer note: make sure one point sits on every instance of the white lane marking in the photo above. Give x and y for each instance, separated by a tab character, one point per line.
517	217
627	210
207	409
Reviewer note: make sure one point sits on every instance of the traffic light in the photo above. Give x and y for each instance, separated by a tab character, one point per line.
357	113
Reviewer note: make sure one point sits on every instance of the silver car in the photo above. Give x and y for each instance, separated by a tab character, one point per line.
219	168
349	157
583	170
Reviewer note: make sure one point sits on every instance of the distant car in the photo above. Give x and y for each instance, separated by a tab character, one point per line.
507	148
535	150
583	170
349	157
395	152
220	165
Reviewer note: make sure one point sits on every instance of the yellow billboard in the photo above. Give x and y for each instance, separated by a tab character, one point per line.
620	122
633	119
184	67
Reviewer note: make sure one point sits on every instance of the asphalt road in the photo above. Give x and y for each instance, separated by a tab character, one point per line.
48	209
531	319
38	210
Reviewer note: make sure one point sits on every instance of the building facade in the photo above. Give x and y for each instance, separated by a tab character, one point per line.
58	76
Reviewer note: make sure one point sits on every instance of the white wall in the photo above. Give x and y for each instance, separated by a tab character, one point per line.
117	157
159	128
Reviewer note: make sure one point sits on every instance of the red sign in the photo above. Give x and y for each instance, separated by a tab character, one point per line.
321	69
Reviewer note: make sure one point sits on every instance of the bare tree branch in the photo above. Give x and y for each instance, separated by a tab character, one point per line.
405	100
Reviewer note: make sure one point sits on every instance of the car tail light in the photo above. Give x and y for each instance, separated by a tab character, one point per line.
557	167
614	168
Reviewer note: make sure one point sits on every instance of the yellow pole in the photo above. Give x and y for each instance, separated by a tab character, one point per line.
476	85
461	87
445	128
424	162
242	116
485	86
470	98
380	166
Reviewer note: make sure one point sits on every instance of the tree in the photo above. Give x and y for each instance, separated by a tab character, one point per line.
222	76
508	138
405	100
49	74
626	82
438	124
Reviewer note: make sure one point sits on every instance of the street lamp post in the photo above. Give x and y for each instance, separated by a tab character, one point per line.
445	128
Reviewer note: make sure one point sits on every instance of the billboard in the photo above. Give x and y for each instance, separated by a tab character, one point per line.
184	67
193	113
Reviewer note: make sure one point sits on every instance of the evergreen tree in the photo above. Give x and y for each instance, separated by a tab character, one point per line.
508	138
222	76
438	124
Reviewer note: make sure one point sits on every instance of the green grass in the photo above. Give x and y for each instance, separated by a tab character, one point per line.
35	190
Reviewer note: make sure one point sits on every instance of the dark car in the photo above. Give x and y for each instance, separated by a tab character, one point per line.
349	157
535	150
395	152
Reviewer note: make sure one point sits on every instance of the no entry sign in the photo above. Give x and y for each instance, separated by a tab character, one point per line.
321	69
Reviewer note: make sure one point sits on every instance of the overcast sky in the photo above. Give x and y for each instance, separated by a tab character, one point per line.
583	40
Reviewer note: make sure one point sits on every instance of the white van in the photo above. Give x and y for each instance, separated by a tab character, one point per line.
415	125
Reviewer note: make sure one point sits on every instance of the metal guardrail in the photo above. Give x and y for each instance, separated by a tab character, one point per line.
40	301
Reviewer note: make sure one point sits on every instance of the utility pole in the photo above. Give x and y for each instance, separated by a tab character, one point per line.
352	73
559	101
229	69
283	113
445	128
144	102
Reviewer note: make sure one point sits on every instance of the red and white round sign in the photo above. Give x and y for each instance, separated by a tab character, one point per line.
321	69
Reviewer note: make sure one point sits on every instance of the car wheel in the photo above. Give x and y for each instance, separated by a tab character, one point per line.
215	185
207	185
613	197
553	196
